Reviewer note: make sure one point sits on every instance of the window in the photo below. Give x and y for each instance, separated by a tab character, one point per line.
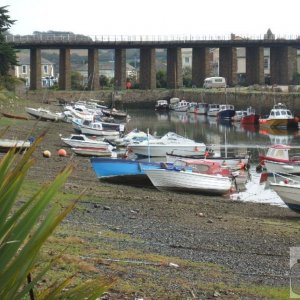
24	69
187	60
266	63
45	67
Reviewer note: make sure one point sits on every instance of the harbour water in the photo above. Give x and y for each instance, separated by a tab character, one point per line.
232	136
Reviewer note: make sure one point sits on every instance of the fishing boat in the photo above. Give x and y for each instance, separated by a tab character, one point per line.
226	112
250	117
288	189
181	106
194	176
167	143
213	110
117	170
162	105
279	160
281	117
200	108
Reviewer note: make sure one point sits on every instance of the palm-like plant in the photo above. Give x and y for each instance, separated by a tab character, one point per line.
24	229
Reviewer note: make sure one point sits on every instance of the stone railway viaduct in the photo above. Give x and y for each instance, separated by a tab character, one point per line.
283	59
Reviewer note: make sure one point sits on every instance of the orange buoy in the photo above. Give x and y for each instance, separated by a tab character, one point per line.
62	152
47	153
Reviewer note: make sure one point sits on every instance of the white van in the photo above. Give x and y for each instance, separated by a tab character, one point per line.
214	82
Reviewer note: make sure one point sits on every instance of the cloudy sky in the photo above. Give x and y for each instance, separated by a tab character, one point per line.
156	17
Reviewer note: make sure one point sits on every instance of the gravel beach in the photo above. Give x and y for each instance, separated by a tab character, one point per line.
250	242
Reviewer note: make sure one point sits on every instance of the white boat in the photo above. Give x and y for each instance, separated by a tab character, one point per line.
181	106
288	189
160	146
279	160
102	129
196	176
233	162
239	114
173	102
162	105
213	110
44	114
7	144
80	140
133	136
201	108
92	151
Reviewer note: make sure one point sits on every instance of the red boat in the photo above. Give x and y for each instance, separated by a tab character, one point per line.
251	117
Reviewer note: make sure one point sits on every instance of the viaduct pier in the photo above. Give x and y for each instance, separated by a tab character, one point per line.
283	58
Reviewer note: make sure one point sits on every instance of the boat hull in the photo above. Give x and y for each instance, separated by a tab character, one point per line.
290	194
44	115
99	132
7	144
122	170
251	119
282	167
186	181
160	150
279	123
231	162
84	151
226	114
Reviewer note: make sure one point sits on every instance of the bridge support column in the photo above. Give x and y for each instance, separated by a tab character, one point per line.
147	69
283	64
228	65
174	68
93	69
200	65
255	65
120	68
65	69
35	69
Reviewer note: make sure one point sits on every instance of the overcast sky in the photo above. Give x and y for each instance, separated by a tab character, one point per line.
156	17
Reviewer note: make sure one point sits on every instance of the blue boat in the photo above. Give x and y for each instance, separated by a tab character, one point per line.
226	112
124	171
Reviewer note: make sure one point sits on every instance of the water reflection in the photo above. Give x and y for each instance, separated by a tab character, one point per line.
209	129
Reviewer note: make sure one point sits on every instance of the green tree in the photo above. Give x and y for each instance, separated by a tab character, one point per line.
187	77
77	81
104	81
8	56
161	79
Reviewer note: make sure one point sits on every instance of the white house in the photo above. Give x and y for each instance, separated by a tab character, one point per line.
23	70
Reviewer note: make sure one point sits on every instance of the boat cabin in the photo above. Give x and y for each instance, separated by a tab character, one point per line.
280	111
281	152
161	105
